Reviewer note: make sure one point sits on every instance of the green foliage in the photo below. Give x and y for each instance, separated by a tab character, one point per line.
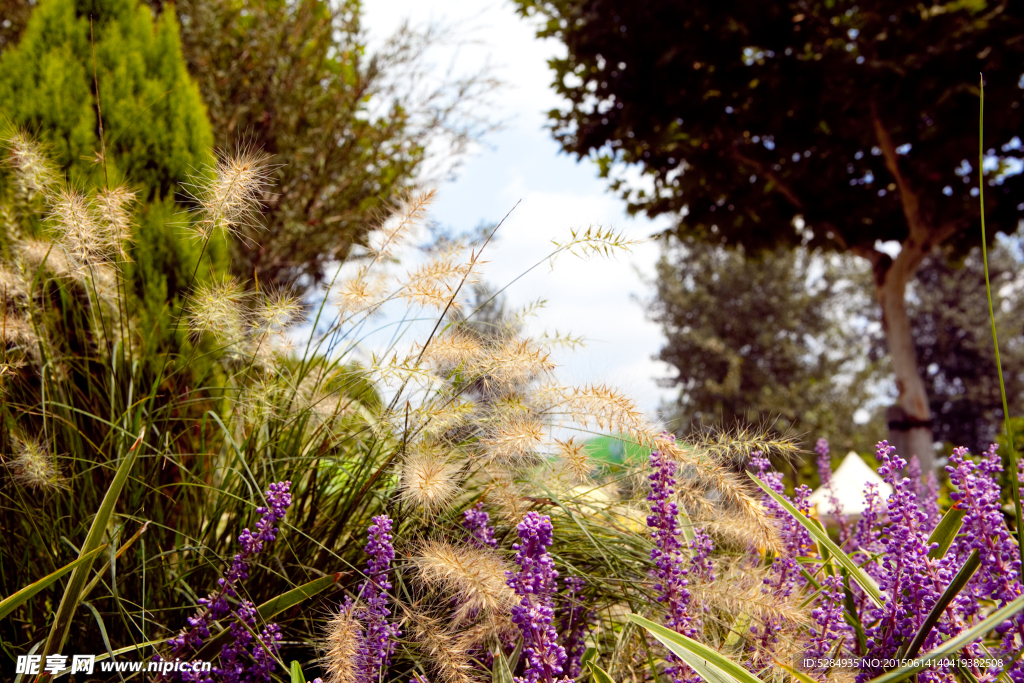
154	133
952	336
772	339
750	114
351	127
153	119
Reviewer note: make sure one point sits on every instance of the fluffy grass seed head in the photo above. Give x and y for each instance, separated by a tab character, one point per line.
112	207
343	641
232	200
475	577
574	459
34	466
514	364
449	652
397	227
33	172
275	311
219	308
515	438
79	232
429	479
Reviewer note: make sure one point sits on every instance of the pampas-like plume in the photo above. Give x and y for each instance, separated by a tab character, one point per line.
36	254
514	364
232	200
363	293
115	219
218	308
33	172
343	638
80	234
33	465
574	458
428	479
449	652
452	349
17	330
473	576
514	438
275	311
705	472
393	231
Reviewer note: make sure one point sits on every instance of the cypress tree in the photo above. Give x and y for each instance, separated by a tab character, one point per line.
154	130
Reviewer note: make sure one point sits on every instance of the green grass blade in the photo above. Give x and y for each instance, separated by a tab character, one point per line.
954	645
73	592
795	673
12	602
946	530
954	588
599	674
712	666
270	609
296	671
1012	470
855	572
501	673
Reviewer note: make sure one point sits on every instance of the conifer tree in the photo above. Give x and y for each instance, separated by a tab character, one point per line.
154	132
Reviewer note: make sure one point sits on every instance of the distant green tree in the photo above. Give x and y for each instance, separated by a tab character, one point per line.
765	340
948	310
154	135
857	116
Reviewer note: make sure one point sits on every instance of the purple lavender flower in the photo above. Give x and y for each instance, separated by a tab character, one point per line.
825	476
575	623
377	642
700	562
477	523
670	570
910	581
535	583
984	529
216	605
828	618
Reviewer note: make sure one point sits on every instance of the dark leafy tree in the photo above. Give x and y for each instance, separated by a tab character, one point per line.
859	118
764	341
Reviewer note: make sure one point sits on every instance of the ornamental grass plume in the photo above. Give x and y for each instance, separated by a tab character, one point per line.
474	577
33	465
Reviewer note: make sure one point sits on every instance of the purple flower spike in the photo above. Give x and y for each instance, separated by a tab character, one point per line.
574	625
378	639
825	476
828	619
477	523
671	571
535	583
233	666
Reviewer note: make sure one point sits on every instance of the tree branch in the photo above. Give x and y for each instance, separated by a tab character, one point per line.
908	198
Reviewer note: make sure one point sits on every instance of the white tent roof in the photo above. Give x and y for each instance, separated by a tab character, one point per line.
848	483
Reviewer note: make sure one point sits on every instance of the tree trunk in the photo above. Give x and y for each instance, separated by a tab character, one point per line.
910	427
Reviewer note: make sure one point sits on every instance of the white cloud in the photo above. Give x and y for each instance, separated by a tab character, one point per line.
593	299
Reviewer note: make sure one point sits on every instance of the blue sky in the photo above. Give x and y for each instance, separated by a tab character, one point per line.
595	299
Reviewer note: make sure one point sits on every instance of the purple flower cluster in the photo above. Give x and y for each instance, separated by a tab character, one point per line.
574	624
478	524
535	583
984	529
828	619
825	476
235	665
377	643
670	568
910	581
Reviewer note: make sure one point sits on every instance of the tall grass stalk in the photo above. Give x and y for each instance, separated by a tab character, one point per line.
1012	475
